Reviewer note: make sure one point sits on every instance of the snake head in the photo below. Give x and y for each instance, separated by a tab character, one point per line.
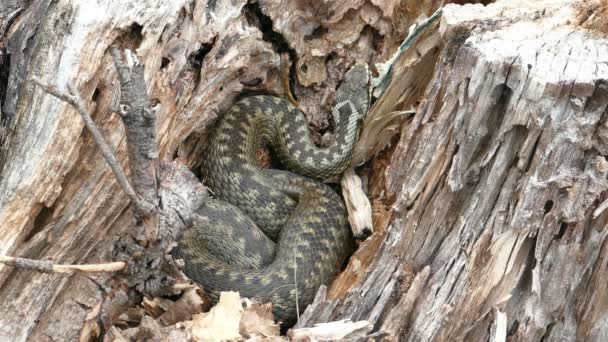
354	90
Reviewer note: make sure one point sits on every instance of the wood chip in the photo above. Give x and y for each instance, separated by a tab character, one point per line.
357	204
332	331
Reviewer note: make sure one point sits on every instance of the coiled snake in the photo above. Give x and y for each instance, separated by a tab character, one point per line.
231	245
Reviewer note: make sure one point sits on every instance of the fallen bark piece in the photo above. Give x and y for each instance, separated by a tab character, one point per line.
151	330
115	335
90	327
156	307
500	328
332	331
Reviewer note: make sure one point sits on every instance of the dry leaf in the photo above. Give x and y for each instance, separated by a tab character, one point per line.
221	323
257	321
188	305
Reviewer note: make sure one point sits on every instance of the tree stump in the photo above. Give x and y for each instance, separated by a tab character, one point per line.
497	228
488	206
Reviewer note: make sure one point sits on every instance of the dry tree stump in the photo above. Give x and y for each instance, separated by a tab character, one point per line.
497	229
488	204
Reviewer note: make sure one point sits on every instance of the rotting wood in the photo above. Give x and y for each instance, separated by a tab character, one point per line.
139	119
408	73
57	189
66	186
396	320
496	178
189	304
60	174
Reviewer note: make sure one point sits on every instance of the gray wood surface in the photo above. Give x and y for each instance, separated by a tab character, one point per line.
483	205
495	181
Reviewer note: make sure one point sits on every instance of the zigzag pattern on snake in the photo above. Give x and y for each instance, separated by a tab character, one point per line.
272	234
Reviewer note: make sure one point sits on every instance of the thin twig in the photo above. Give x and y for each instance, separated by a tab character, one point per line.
48	266
600	209
181	287
76	101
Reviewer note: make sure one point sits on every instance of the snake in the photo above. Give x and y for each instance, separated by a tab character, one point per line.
274	235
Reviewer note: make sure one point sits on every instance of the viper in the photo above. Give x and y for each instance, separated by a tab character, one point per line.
274	235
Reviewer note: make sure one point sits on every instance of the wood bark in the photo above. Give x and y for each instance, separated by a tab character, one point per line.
483	205
496	178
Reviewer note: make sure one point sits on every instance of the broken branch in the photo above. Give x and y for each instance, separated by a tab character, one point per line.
139	118
48	266
76	101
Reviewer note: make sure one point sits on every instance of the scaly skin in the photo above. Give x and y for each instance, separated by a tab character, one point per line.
232	247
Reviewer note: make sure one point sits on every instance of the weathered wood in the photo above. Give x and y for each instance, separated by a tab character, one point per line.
52	174
397	318
189	304
58	198
495	181
60	201
138	115
75	101
358	205
408	73
332	331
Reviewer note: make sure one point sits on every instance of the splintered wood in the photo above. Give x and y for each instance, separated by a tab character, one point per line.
59	200
357	204
497	177
493	192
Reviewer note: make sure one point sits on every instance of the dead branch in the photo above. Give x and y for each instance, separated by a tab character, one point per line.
139	118
48	266
76	101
